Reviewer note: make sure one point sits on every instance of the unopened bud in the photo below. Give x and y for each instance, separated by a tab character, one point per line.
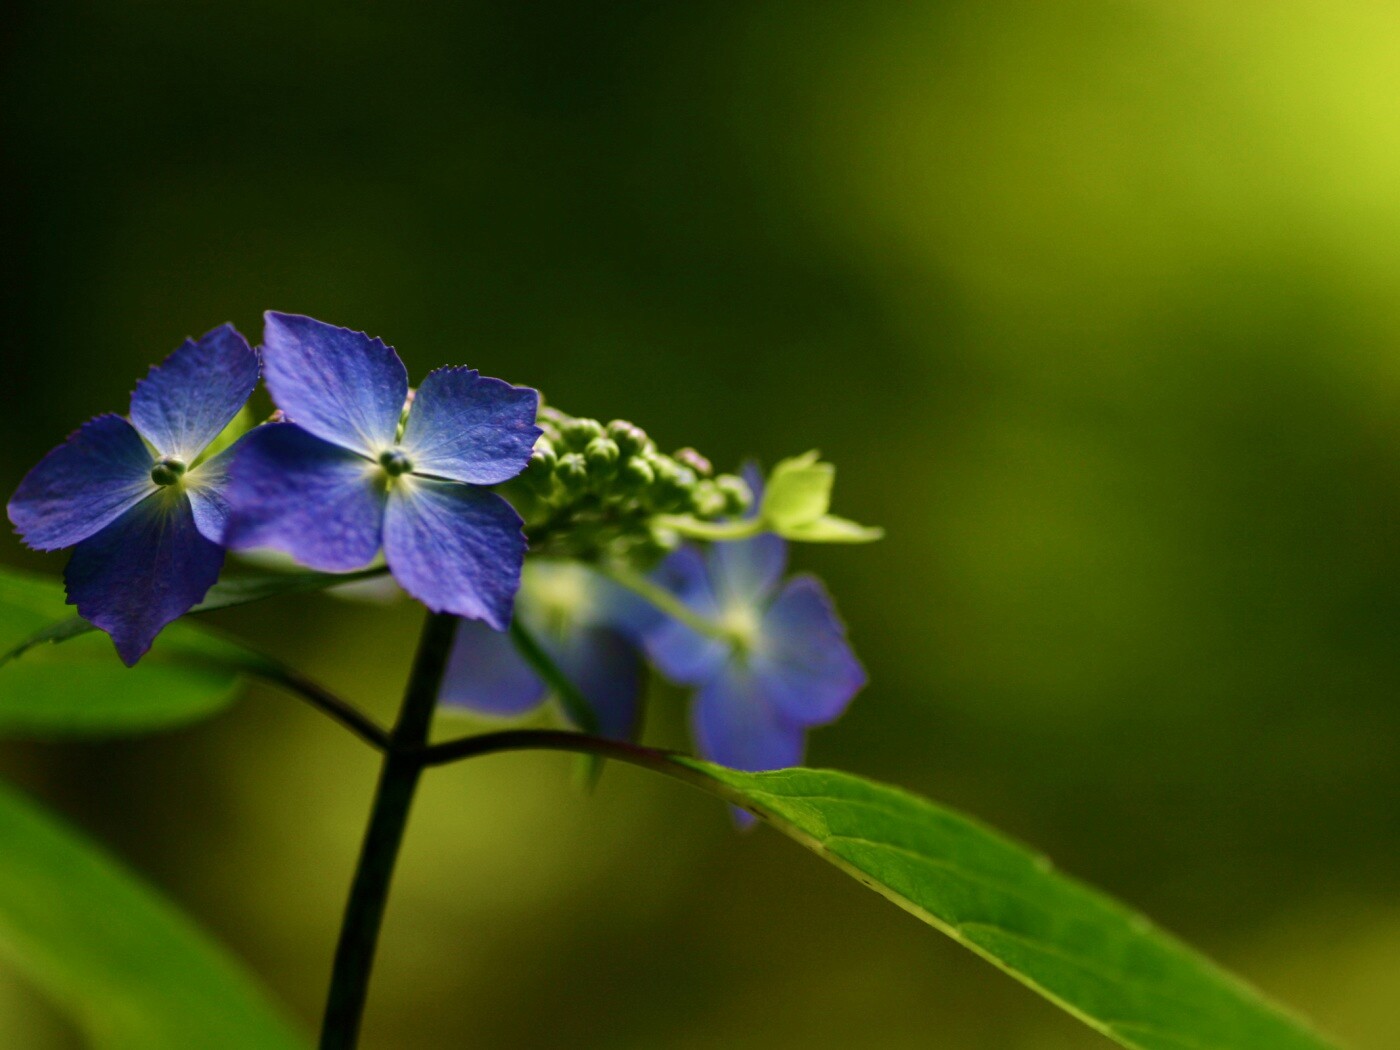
706	499
572	472
637	476
738	497
631	439
577	433
696	462
602	456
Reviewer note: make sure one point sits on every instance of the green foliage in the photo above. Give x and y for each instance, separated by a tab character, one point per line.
82	689
1104	964
130	969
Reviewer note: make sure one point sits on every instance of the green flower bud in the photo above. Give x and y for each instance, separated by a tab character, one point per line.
602	455
738	497
577	433
636	476
544	450
671	492
539	472
631	440
696	462
572	472
706	499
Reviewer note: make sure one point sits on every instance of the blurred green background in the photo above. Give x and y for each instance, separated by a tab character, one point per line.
1094	303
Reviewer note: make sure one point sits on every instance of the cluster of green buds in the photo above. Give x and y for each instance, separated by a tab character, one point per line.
595	489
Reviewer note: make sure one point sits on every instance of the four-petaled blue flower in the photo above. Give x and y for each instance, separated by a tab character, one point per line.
779	665
143	513
361	464
347	474
586	624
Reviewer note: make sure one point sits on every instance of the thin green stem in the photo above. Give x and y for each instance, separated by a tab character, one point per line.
664	600
575	704
404	761
714	531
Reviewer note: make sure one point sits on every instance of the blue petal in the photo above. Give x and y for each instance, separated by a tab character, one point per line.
679	652
803	664
466	428
607	669
455	548
143	571
99	473
342	386
185	401
205	485
735	726
745	572
485	673
291	491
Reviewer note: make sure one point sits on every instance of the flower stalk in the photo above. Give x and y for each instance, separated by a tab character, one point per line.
404	761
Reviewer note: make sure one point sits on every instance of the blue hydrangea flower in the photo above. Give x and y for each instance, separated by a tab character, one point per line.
784	667
142	512
584	622
348	475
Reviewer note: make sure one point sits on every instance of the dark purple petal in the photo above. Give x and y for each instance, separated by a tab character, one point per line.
289	490
679	652
803	664
745	572
455	548
486	673
143	571
467	428
185	401
607	670
342	386
99	473
736	727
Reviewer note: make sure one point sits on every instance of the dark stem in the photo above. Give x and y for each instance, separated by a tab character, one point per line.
547	740
321	698
404	761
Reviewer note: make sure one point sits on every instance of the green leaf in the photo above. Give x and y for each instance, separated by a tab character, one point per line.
797	493
83	689
125	964
236	590
1105	964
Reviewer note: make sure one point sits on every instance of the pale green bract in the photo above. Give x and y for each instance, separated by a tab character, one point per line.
1103	963
796	498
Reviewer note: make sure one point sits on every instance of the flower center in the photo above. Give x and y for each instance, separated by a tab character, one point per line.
743	625
168	470
395	462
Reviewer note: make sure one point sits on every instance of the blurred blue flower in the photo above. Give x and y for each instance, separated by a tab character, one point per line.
776	665
347	475
584	622
144	515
